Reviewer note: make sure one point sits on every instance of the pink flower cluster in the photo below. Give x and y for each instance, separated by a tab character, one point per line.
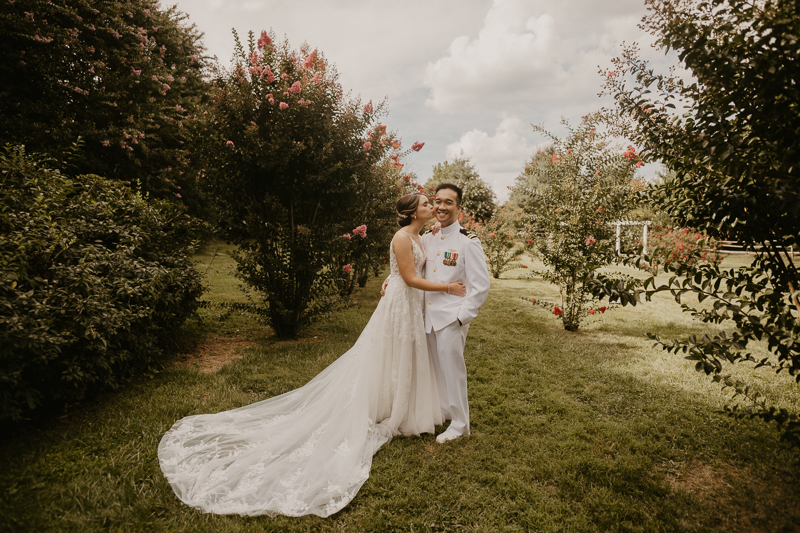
283	105
295	88
367	145
417	146
348	268
590	241
264	40
361	231
347	236
368	109
310	60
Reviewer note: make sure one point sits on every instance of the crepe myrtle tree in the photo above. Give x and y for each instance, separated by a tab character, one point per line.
295	165
500	238
587	182
124	76
728	137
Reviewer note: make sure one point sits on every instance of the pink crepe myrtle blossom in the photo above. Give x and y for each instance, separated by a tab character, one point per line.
178	195
347	236
264	40
368	109
417	146
361	231
105	143
229	143
283	105
295	88
284	76
29	15
367	145
348	268
310	60
590	241
317	78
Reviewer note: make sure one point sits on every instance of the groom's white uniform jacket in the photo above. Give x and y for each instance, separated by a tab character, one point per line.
453	255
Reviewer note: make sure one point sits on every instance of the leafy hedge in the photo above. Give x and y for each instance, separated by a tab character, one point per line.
92	277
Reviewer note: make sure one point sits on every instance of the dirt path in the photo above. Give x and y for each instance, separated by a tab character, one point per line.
215	351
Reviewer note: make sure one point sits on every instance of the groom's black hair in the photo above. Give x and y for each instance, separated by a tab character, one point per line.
452	187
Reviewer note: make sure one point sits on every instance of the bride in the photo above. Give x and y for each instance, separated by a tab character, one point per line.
308	451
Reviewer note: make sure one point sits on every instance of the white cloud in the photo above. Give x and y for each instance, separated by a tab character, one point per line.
498	158
532	53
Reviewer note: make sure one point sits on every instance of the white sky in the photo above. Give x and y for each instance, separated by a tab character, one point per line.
465	76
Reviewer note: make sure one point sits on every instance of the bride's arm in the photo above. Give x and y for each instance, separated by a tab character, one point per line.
404	252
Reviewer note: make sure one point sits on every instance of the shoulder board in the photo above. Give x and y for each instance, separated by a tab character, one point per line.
426	231
469	234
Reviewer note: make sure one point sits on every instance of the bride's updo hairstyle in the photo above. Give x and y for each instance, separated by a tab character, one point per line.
406	207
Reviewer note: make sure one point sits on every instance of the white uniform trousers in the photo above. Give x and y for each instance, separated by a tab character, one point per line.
446	347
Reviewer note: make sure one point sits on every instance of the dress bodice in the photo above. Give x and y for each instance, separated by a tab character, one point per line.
419	259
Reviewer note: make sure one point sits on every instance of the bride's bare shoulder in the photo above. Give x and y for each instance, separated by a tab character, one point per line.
401	241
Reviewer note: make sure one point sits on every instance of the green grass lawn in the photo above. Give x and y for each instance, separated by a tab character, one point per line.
588	431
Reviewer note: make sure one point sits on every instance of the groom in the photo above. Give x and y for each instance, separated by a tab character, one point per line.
452	254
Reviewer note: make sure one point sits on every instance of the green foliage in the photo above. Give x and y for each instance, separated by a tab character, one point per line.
92	278
586	183
734	161
532	179
499	237
679	245
126	76
294	166
478	199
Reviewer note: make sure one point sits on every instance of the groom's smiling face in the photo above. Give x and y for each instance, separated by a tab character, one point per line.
446	207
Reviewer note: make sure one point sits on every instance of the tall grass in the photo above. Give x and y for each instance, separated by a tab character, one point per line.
587	431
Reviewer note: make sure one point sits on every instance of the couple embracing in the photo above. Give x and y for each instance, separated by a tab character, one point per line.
310	450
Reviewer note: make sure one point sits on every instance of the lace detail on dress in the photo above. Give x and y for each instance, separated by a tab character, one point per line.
308	451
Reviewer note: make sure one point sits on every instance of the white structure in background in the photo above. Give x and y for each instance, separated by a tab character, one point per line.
644	225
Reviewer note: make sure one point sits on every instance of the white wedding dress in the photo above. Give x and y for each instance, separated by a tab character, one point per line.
308	451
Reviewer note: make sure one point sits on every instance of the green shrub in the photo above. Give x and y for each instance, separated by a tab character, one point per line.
92	276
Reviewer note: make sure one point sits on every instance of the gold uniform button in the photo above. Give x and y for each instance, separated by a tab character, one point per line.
430	303
434	270
437	253
442	237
